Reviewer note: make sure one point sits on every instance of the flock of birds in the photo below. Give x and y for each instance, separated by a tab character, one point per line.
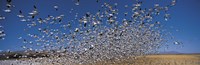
95	36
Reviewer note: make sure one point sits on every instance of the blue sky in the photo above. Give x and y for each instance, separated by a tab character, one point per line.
184	17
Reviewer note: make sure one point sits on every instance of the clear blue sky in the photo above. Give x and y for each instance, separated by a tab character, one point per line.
185	17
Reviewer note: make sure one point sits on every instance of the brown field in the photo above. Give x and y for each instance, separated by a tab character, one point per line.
159	60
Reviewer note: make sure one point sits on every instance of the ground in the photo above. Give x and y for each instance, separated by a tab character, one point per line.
192	59
162	60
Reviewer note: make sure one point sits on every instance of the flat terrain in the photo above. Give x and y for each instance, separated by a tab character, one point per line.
161	60
147	60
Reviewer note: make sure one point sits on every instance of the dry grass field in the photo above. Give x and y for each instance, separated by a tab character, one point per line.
159	60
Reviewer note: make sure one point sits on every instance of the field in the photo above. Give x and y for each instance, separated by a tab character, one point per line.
161	60
192	59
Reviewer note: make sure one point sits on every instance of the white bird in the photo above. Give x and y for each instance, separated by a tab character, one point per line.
2	17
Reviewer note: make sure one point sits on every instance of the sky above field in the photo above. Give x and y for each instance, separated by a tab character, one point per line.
184	22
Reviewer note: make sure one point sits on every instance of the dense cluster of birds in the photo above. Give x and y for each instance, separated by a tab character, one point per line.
95	36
